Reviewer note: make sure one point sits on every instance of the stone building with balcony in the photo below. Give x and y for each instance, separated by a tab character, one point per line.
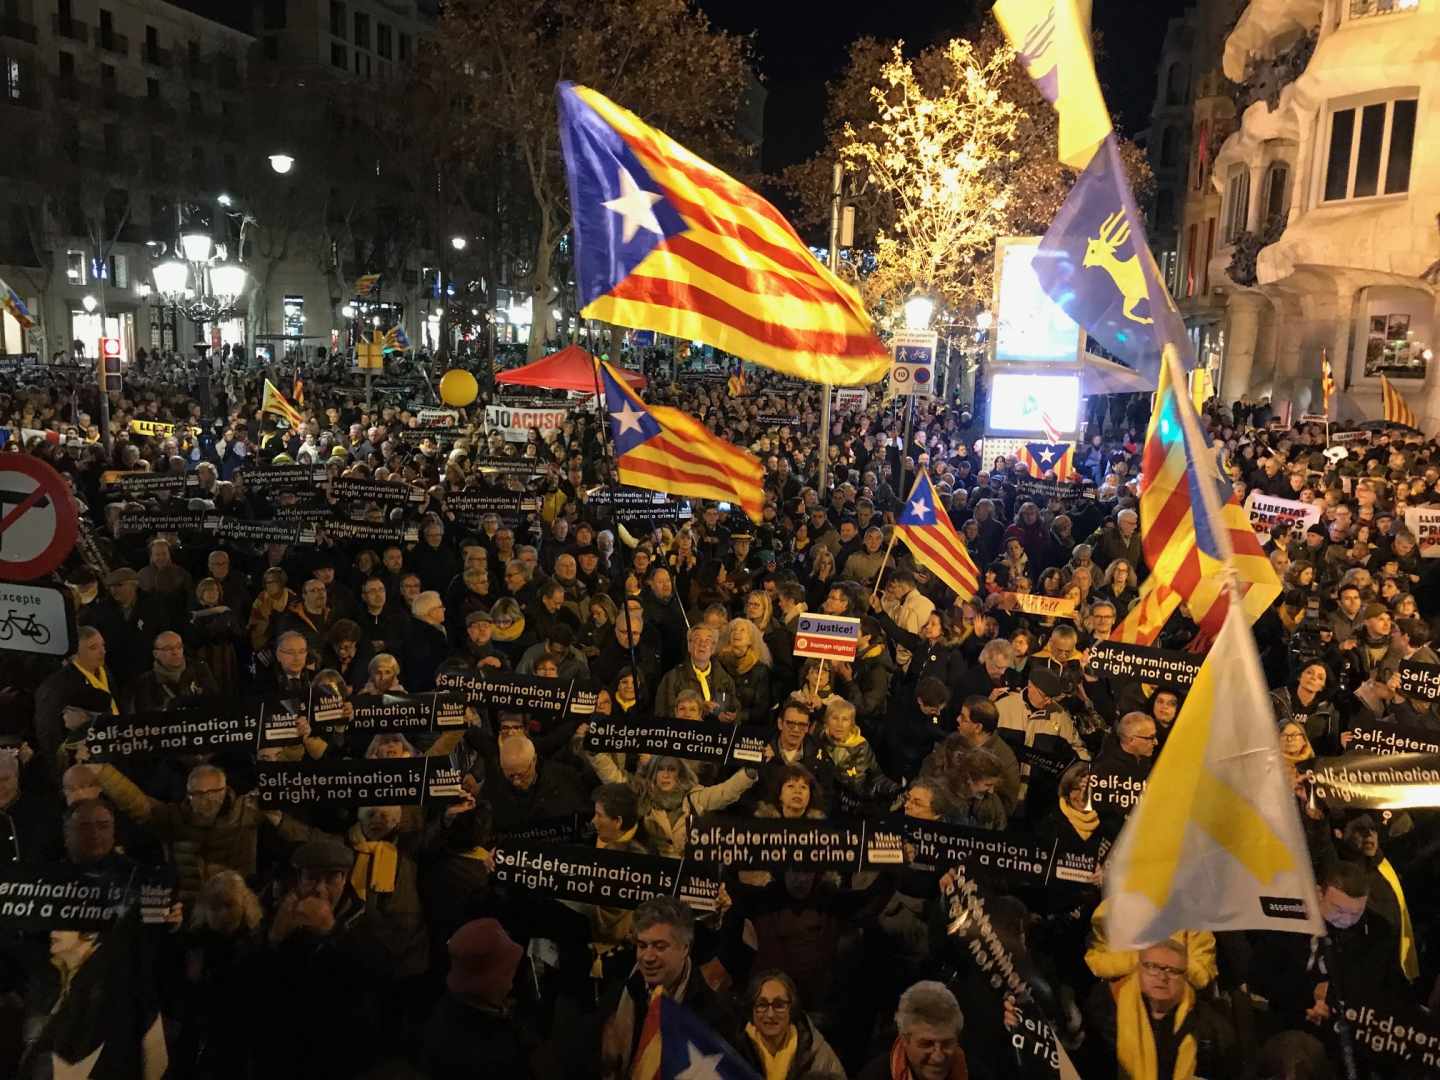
1329	226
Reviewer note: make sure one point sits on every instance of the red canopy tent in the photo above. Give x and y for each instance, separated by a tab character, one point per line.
572	368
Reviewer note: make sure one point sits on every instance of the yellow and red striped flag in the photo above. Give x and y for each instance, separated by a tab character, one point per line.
926	529
1397	410
274	402
665	241
664	449
1327	381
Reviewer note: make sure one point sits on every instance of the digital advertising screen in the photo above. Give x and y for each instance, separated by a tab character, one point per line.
1028	327
1026	403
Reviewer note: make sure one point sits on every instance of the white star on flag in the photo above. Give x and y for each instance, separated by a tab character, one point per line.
636	206
628	418
919	508
1047	456
701	1066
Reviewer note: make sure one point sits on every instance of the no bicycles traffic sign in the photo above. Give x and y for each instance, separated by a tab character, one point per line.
37	518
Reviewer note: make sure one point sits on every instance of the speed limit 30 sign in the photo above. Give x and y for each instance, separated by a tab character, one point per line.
37	518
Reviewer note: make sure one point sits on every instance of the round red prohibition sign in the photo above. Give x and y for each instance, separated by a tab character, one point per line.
37	518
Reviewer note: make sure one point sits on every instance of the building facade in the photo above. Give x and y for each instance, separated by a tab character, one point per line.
1327	238
119	113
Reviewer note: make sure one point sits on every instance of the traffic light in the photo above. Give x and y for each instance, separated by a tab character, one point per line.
109	361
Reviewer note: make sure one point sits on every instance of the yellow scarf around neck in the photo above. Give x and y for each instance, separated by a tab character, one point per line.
704	679
777	1065
376	863
511	632
1135	1042
1084	822
1409	958
100	681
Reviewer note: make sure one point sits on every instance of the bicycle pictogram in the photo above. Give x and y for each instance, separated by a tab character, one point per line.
26	626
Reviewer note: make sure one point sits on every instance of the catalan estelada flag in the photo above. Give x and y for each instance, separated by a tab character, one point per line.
1397	410
664	449
1052	38
665	241
1327	381
274	402
1041	458
676	1043
1215	842
11	302
926	529
367	284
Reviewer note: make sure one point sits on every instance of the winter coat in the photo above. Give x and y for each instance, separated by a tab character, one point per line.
665	830
557	791
150	693
753	695
868	687
813	1058
425	649
682	677
197	851
468	1042
214	637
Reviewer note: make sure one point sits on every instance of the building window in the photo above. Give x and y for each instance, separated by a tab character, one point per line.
1237	203
275	14
1209	254
383	41
152	89
192	53
1371	147
337	56
1164	210
404	46
1191	246
14	78
1277	182
1169	146
107	78
75	267
1391	348
1175	85
271	47
120	271
67	67
292	312
337	19
362	30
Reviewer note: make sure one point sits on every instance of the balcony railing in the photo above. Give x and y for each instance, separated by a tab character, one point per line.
18	29
1366	9
69	28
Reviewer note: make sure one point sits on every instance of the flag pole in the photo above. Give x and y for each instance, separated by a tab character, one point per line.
607	451
880	575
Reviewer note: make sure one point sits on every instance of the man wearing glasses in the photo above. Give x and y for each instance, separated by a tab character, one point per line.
170	678
1123	766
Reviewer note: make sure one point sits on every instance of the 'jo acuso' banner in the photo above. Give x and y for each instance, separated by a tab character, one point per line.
515	424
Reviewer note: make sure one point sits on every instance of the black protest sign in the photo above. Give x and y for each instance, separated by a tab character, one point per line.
406	714
504	503
368	782
369	532
260	532
1379	737
637	504
1042	491
777	421
1379	781
152	521
695	740
280	722
439	436
564	829
600	876
140	484
310	510
1016	860
1051	765
62	897
1113	791
509	692
196	729
778	844
527	468
1396	1032
377	491
284	476
1142	663
1420	680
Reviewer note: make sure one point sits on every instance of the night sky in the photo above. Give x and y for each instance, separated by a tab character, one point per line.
802	45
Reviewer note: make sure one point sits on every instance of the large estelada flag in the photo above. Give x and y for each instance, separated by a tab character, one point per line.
274	402
926	529
1040	458
664	449
1397	410
665	241
675	1043
1215	842
11	302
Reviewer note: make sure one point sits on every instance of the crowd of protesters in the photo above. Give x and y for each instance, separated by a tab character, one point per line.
377	941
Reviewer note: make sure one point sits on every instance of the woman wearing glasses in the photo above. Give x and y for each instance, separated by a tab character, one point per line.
781	1041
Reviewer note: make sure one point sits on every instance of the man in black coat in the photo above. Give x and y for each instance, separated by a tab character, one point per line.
426	643
129	621
1122	768
529	790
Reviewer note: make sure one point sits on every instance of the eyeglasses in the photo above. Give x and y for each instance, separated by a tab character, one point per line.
206	792
1152	968
761	1005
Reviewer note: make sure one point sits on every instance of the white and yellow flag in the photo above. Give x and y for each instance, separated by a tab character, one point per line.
1215	842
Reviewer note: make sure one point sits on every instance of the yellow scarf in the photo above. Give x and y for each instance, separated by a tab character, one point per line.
511	632
1135	1042
478	853
704	677
100	681
1409	959
776	1066
740	663
1083	822
376	862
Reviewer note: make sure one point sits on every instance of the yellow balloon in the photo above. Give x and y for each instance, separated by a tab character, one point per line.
458	388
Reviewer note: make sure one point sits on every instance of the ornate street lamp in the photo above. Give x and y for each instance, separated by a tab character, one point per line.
199	280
